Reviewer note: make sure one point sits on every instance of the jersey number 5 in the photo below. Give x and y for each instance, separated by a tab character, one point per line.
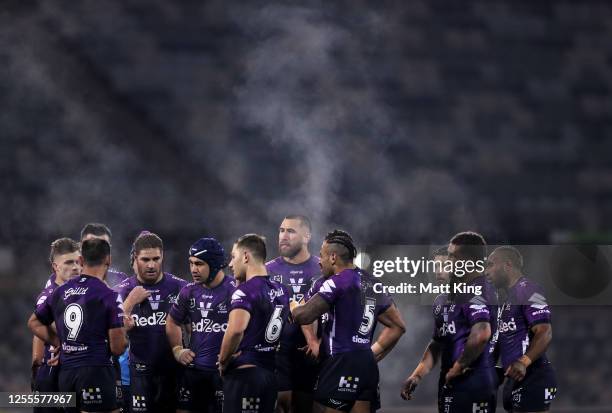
73	320
275	325
368	317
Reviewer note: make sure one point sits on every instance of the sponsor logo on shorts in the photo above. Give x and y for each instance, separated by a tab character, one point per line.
92	395
348	384
139	403
549	394
250	404
481	407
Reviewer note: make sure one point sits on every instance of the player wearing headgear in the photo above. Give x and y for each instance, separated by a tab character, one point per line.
89	323
525	332
296	368
148	296
64	259
204	303
258	311
348	376
463	325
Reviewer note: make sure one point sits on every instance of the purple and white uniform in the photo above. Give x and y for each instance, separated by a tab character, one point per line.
267	302
84	309
208	310
354	308
148	343
525	307
297	278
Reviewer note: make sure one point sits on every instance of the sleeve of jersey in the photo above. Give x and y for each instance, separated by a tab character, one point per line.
383	302
477	311
43	310
535	309
114	310
240	299
180	309
330	291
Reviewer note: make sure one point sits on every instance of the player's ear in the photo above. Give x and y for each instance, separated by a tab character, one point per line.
81	262
108	261
54	266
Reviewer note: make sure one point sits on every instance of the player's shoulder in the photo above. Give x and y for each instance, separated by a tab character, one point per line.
44	294
528	291
274	263
171	278
126	284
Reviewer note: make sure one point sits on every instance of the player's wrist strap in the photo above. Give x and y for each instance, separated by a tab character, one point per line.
176	351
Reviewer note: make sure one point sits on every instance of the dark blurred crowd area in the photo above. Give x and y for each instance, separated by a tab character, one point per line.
400	121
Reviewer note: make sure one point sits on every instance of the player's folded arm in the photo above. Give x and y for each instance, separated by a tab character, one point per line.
41	328
542	336
312	310
391	333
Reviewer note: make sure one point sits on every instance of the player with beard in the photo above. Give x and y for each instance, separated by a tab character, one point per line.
463	326
147	298
525	332
296	369
89	322
64	258
258	311
348	377
205	303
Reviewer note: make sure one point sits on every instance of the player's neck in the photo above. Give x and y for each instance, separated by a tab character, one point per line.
218	279
158	279
97	271
339	268
299	258
256	271
514	279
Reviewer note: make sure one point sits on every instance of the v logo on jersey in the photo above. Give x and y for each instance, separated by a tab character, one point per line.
538	301
154	300
204	309
327	287
296	286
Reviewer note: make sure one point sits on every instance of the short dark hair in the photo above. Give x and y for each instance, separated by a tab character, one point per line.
62	246
304	220
146	240
471	245
96	229
95	251
511	254
343	244
442	251
256	244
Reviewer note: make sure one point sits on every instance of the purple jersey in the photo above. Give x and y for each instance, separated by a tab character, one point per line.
354	309
148	342
297	278
267	302
84	309
454	318
525	307
323	320
42	297
208	311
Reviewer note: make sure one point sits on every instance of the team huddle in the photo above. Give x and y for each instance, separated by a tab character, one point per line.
294	334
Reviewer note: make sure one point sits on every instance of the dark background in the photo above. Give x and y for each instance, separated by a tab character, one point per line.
402	122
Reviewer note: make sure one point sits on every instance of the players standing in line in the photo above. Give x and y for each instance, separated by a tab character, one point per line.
204	303
64	258
464	323
258	311
296	368
147	298
89	323
348	377
525	332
